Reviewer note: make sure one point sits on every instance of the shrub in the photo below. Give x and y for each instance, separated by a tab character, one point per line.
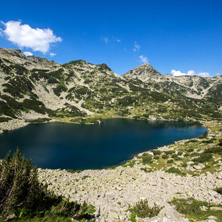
193	209
169	152
220	142
174	155
184	165
190	150
204	157
59	89
213	150
6	110
170	161
174	170
180	153
219	190
142	209
208	141
35	105
165	156
187	206
146	159
204	135
194	154
22	194
156	152
4	119
156	157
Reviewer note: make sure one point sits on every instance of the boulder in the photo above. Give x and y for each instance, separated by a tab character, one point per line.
170	214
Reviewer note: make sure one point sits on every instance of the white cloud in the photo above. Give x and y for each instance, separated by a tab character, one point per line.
189	73
204	74
118	40
136	47
28	37
28	54
52	54
143	59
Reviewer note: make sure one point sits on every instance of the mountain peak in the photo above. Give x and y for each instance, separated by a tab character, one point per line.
16	56
143	72
104	67
11	52
145	64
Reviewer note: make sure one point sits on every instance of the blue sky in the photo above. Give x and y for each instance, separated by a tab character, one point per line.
183	36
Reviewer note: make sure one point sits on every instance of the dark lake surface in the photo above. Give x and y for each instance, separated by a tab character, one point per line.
73	146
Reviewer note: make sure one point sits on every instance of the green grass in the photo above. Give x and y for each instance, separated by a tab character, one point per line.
129	163
39	120
192	209
174	170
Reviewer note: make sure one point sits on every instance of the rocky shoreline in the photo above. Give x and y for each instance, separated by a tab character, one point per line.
112	191
12	125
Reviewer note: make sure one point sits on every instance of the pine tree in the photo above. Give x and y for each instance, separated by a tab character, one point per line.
19	185
22	194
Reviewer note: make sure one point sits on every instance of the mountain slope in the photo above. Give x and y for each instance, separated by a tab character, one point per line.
33	87
190	86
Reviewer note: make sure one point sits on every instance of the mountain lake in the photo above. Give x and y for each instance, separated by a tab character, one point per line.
74	146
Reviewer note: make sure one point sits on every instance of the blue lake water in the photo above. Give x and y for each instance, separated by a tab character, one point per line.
73	146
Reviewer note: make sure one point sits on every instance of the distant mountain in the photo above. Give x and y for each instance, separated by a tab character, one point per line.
144	72
189	86
33	87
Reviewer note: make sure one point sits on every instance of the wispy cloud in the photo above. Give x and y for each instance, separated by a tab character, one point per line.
189	73
143	59
52	54
136	47
25	36
111	39
28	54
105	39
